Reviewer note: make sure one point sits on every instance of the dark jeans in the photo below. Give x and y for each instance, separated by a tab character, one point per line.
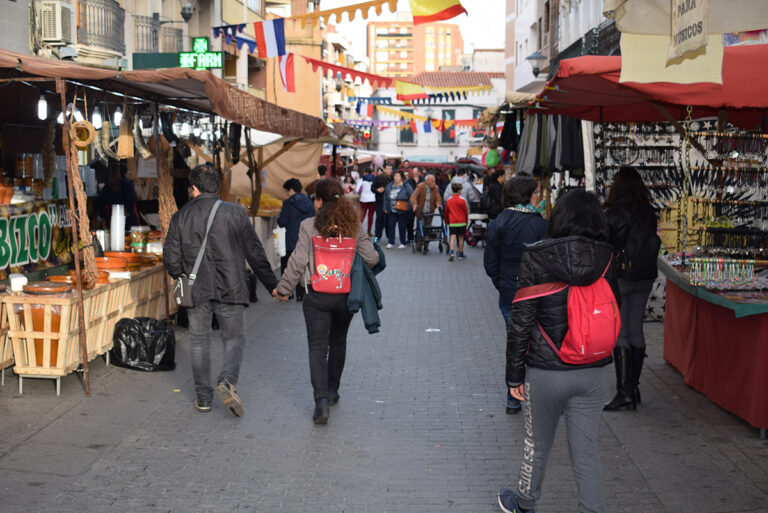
230	319
327	318
634	296
505	307
381	220
411	222
300	289
399	220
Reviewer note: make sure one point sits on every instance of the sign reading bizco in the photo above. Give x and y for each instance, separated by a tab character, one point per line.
26	238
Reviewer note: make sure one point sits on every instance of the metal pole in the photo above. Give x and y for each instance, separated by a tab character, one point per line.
61	88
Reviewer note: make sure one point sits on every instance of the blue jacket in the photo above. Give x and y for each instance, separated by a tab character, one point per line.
404	195
295	209
365	293
507	236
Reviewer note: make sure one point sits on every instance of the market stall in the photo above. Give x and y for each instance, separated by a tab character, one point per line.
702	149
54	328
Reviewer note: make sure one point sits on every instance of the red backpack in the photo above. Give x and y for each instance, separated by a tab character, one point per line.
593	319
333	263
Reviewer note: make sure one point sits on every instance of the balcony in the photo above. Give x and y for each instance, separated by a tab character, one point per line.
101	24
150	37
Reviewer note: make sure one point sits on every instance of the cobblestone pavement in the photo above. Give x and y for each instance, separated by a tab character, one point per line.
420	426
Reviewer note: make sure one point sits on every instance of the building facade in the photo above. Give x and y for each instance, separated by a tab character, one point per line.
435	145
400	49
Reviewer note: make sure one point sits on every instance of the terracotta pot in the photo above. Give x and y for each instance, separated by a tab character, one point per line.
38	316
130	258
111	263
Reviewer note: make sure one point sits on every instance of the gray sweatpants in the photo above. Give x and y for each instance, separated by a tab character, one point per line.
579	394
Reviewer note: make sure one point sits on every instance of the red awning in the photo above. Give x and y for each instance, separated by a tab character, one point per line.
588	88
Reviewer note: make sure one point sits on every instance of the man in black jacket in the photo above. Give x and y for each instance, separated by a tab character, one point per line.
221	285
379	185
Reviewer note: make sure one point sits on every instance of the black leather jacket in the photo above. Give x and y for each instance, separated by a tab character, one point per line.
231	241
574	260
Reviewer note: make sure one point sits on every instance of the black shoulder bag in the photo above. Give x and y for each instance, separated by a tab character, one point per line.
182	291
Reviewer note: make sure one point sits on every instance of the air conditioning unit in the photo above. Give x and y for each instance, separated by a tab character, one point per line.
58	23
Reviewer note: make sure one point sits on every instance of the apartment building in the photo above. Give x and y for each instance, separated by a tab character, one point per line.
400	49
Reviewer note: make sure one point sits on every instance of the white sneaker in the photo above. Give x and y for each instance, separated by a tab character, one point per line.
389	246
401	246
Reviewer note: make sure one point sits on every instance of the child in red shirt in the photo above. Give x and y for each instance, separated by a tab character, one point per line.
456	216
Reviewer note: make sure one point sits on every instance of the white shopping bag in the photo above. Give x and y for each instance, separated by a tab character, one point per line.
278	237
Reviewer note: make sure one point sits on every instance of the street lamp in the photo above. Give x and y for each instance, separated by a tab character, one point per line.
187	10
536	59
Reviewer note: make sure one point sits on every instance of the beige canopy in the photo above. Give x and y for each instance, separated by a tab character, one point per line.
653	17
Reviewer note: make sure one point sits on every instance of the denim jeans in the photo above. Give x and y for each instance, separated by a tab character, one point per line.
230	319
327	318
505	306
399	220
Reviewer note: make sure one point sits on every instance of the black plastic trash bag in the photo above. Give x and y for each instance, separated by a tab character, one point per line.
144	344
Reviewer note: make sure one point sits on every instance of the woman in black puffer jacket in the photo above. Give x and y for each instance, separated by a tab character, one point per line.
577	252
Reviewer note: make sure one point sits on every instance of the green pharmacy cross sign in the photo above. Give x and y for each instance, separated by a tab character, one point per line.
200	57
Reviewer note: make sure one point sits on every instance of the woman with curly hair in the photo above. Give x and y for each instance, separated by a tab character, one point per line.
326	315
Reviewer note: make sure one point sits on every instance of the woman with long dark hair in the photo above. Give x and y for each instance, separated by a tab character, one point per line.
518	224
326	314
632	222
577	252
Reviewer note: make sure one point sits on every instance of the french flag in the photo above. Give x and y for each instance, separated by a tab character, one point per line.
286	72
270	38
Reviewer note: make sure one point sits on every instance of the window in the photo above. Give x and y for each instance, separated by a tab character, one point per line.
406	136
445	138
538	35
403	54
254	5
546	17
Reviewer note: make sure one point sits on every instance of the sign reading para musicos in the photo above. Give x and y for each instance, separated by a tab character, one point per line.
689	27
34	236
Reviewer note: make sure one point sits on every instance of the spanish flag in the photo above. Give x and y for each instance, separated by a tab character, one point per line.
427	11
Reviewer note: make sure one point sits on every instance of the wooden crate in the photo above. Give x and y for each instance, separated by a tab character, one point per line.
44	331
6	348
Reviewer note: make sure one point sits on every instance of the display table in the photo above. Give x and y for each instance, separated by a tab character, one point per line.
719	345
44	330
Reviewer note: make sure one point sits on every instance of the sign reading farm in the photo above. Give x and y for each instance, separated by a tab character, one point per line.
34	236
689	27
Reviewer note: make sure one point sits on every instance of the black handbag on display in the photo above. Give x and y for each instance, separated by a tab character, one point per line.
182	291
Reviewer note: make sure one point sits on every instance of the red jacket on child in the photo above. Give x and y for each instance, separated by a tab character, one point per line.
456	211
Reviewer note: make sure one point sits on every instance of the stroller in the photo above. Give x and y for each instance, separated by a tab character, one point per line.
430	228
477	229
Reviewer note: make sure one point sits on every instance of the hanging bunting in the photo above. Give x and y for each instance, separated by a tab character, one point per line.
240	41
351	11
228	31
286	72
270	37
373	79
428	11
371	99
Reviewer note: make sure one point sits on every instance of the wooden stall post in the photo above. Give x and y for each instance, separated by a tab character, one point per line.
251	172
166	201
61	88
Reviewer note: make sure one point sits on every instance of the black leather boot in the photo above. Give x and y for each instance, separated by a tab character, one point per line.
321	411
624	398
637	355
